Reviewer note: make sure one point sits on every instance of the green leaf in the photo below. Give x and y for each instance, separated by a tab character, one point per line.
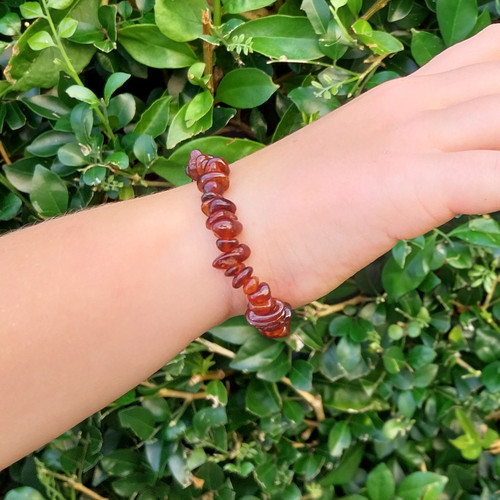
245	88
59	4
347	467
49	194
120	462
138	419
348	353
180	131
67	27
301	375
20	173
422	486
48	143
217	391
119	159
113	83
83	94
28	69
483	231
71	154
154	120
147	45
198	107
318	14
307	101
82	121
48	106
420	356
380	483
399	9
145	149
212	474
490	376
339	438
262	398
10	205
425	46
31	10
10	24
276	370
173	168
237	6
24	493
394	359
41	40
381	42
206	418
282	37
94	175
180	21
256	353
456	19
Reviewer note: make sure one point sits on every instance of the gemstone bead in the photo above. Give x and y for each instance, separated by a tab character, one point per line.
251	285
217	165
227	245
261	295
242	277
220	215
220	203
234	270
217	177
226	260
226	229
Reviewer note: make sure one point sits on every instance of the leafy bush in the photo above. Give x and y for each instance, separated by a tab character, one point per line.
388	387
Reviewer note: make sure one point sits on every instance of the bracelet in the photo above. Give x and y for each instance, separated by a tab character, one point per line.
269	315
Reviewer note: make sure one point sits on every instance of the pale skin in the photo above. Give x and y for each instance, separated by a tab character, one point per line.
93	303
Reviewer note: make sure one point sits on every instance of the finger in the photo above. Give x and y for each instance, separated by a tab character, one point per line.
470	125
481	48
470	181
452	87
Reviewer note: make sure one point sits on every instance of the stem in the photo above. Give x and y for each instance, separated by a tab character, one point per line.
5	91
217	13
379	4
73	73
208	50
342	27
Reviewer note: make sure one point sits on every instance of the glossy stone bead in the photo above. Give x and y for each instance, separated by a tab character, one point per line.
226	260
220	215
227	229
213	187
282	331
243	276
220	203
206	199
274	323
217	177
263	308
261	295
217	165
233	270
252	285
194	167
227	245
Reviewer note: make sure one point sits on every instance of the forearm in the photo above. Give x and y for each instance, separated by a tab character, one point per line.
93	303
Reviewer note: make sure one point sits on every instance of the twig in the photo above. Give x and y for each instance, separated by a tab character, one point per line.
217	349
216	375
314	400
4	154
318	310
379	4
489	297
188	396
208	50
74	484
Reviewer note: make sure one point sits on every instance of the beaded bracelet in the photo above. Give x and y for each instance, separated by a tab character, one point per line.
269	315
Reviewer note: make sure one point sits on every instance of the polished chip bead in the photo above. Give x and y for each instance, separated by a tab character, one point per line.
217	177
261	295
227	229
234	270
243	276
221	203
238	254
252	285
227	245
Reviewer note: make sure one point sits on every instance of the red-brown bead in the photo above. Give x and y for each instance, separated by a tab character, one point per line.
217	165
252	285
233	270
227	229
220	203
226	260
218	177
220	215
242	277
261	295
227	245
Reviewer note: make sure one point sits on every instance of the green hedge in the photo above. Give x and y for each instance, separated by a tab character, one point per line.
388	387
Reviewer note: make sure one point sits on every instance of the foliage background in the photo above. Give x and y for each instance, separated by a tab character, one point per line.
388	387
